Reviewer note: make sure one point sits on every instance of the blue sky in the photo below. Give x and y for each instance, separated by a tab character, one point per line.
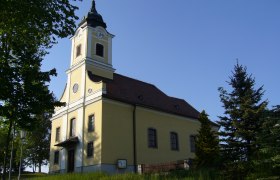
187	48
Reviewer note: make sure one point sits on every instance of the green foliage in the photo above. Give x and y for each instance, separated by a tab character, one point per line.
207	145
268	161
3	132
27	30
37	143
184	175
241	122
36	23
237	170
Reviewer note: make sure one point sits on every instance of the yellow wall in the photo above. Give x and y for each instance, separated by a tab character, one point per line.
76	77
113	135
95	86
164	124
104	42
79	40
117	139
55	124
117	134
96	136
99	72
71	115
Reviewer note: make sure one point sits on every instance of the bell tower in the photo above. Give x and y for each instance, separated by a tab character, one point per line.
92	45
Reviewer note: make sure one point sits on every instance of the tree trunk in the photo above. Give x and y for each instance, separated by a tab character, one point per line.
35	166
40	164
7	150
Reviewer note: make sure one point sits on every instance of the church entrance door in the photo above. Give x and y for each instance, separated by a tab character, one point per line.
71	160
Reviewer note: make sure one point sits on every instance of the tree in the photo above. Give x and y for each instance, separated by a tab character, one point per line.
37	145
241	121
268	161
3	132
27	30
207	144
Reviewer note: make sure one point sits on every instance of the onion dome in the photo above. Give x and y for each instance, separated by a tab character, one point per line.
93	18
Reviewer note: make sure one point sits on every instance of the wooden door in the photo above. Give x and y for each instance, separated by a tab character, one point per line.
71	160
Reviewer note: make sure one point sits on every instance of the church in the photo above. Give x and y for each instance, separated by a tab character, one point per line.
110	122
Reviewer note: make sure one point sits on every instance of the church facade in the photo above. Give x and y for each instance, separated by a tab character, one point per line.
111	122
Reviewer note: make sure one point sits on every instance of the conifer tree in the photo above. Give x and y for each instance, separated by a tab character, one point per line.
207	144
269	141
242	118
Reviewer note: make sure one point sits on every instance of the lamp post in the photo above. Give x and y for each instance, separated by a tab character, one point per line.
22	137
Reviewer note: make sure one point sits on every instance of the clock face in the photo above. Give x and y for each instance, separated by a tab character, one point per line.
75	88
99	35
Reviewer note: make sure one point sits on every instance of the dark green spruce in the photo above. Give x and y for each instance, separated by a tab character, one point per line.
207	144
268	162
241	121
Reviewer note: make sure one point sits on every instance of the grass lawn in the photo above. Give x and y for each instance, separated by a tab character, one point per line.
185	175
27	175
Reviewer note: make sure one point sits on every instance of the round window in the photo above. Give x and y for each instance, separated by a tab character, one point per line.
75	88
90	91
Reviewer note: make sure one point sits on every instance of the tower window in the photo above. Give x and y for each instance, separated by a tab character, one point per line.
99	50
90	149
152	138
72	127
91	123
174	141
78	50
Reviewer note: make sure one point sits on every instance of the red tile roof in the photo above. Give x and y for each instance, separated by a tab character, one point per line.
133	91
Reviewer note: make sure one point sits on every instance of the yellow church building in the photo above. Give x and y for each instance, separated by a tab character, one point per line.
111	122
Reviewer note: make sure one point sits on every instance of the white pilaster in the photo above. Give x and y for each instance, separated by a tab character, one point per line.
85	44
72	51
79	128
83	81
64	128
89	42
63	138
68	88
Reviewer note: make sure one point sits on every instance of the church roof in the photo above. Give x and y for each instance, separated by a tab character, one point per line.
93	18
136	92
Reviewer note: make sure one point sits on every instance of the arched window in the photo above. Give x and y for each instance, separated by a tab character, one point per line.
152	138
57	134
90	149
91	123
78	50
174	141
72	127
99	50
192	142
56	157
